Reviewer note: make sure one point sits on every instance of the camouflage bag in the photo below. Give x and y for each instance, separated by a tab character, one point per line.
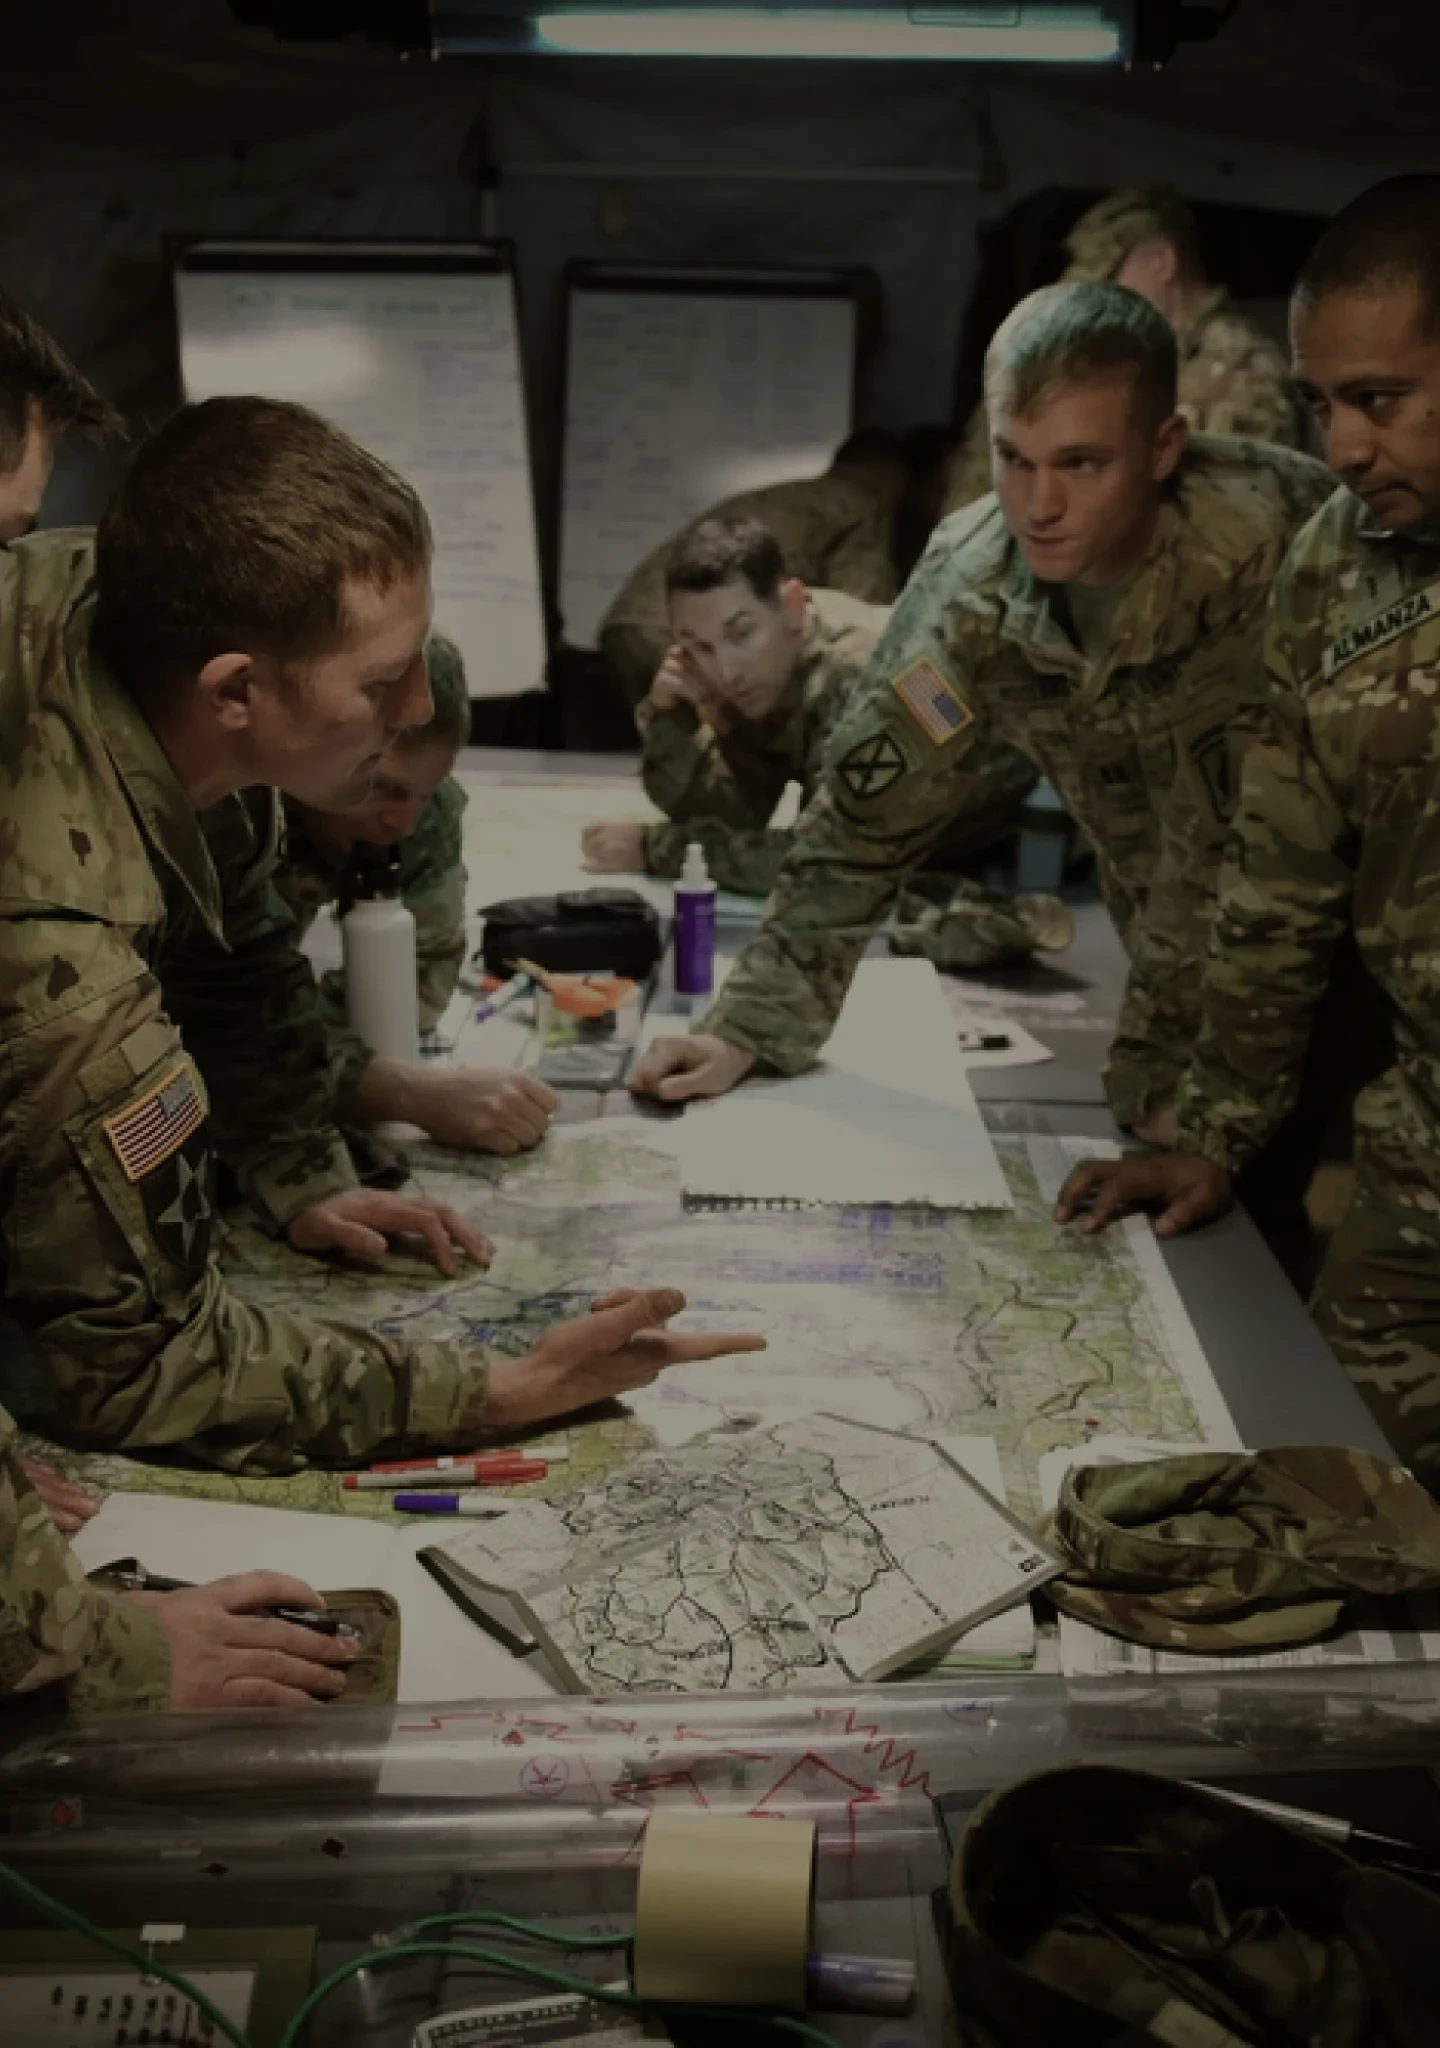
1103	1908
1235	1550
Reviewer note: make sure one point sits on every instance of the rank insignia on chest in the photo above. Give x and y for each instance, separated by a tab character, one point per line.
145	1133
932	701
872	766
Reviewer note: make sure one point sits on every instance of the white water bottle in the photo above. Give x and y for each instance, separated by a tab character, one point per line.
377	934
694	926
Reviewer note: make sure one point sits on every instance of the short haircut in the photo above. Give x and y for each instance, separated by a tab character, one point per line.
236	528
1389	235
867	446
719	551
1070	333
449	723
36	372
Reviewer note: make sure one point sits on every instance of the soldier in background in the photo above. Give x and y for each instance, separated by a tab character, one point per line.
1338	829
1104	615
414	804
42	398
834	530
760	674
1232	379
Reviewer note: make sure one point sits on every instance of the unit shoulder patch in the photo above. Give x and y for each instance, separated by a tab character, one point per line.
932	700
1396	619
874	765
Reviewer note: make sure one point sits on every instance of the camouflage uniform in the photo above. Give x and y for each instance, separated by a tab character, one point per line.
1339	830
1139	741
432	884
830	530
722	790
55	1627
1232	378
125	920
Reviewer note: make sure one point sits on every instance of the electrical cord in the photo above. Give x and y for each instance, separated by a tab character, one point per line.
394	1950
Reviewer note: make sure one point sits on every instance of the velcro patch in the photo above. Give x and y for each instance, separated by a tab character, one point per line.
1379	631
145	1133
872	766
932	701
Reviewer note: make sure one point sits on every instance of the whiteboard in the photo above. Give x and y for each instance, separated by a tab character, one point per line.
414	352
678	398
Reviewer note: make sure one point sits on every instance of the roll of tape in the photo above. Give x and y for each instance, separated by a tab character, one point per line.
724	1909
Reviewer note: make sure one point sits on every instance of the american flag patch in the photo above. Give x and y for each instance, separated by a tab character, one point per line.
145	1133
932	701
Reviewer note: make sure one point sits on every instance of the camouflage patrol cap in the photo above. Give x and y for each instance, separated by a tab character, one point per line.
1233	1551
1105	234
1112	1908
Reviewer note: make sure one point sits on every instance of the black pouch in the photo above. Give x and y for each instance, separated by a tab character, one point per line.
584	931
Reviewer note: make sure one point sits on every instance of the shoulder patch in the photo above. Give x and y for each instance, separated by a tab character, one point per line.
145	1133
1380	630
932	701
874	765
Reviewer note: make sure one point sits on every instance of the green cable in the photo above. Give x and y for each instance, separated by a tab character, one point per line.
530	1928
147	1966
537	1973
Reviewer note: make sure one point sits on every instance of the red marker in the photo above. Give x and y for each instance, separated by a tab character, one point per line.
503	1454
493	1472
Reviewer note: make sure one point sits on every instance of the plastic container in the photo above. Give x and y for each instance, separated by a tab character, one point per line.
694	926
377	935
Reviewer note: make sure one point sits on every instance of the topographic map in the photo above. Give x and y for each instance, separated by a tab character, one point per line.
813	1547
920	1321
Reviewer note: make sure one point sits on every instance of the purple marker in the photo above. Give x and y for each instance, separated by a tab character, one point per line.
442	1504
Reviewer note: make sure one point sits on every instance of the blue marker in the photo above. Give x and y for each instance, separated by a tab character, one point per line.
442	1504
515	987
878	1984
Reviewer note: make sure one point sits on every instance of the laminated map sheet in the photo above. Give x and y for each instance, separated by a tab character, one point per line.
888	1115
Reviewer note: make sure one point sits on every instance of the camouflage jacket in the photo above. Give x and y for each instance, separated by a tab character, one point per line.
721	789
831	533
432	884
55	1627
1140	742
126	921
1338	826
1232	380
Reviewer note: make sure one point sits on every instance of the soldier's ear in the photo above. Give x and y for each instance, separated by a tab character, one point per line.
225	685
1172	438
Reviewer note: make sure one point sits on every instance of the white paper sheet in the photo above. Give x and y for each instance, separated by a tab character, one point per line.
887	1117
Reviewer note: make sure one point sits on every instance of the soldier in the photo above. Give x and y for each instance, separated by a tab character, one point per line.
209	1646
253	612
833	530
416	804
760	674
1103	616
1338	828
1232	379
42	397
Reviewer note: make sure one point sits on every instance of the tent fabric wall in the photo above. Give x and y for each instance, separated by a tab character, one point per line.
124	122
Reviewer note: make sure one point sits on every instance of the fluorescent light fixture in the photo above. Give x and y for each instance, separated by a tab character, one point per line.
1014	34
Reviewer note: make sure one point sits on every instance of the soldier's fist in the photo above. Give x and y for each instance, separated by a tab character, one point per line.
674	1069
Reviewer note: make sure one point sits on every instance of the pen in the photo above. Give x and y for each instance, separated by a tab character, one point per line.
506	1454
503	997
442	1504
511	1473
303	1617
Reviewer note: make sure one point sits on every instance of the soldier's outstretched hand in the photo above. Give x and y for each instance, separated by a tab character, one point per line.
1186	1189
674	1069
362	1221
622	1344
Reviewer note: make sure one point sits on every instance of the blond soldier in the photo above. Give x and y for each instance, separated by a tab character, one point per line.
1339	823
1105	616
833	530
1232	379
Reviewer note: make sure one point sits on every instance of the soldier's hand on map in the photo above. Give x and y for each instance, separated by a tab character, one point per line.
70	1505
1186	1189
622	1344
674	1069
362	1221
482	1109
223	1654
613	849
